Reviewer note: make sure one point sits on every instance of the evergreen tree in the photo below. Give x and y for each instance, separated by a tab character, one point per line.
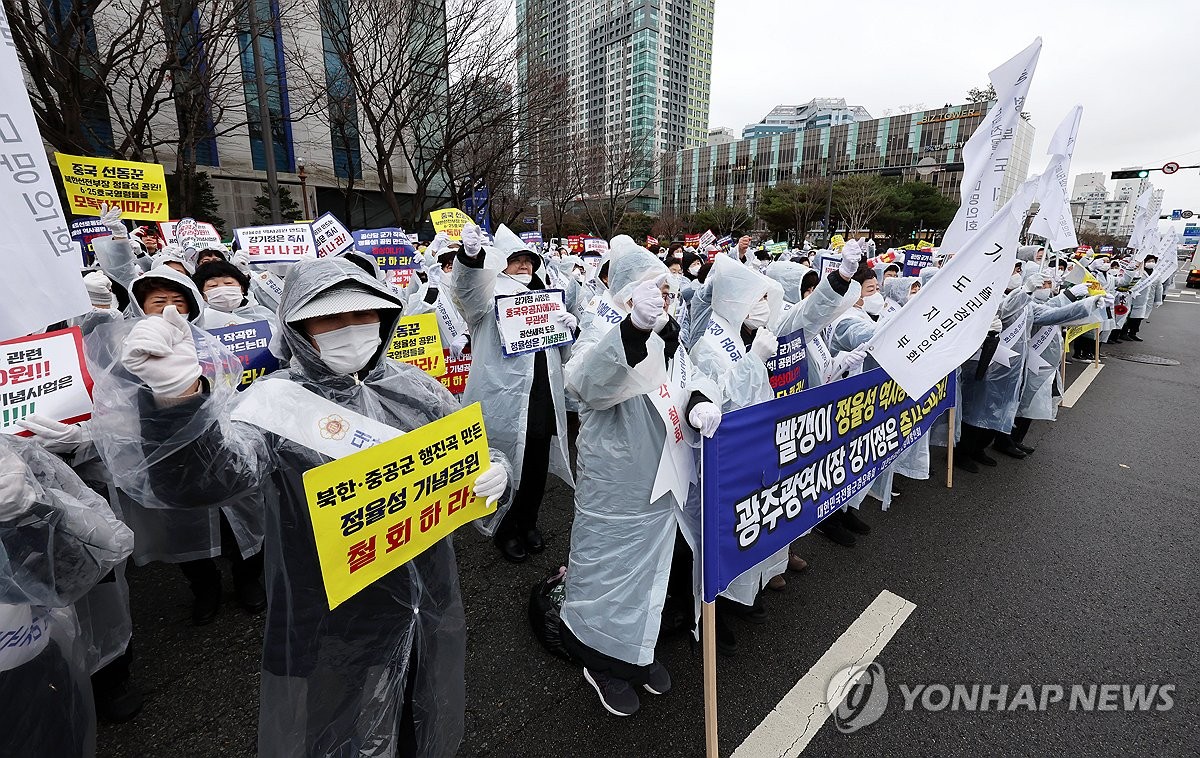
199	202
288	209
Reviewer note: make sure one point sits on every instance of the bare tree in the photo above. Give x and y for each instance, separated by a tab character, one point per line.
859	199
615	174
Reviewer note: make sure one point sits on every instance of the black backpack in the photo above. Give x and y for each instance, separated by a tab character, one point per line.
545	601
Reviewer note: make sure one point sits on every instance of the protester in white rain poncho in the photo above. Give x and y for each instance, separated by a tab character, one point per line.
522	395
226	292
637	398
382	673
57	540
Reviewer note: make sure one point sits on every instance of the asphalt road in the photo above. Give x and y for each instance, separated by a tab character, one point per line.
1077	565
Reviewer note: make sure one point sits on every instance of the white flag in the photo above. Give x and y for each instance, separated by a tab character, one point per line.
987	152
941	326
1054	220
1141	216
41	283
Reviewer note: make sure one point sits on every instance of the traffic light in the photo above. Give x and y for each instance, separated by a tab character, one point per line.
1137	173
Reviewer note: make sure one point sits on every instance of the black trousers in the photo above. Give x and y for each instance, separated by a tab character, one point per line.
535	467
205	578
975	439
1132	326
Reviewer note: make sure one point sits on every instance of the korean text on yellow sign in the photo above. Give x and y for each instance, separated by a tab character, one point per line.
450	221
417	341
376	510
1077	331
139	189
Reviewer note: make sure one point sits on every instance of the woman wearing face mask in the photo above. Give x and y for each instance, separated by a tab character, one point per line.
1140	299
384	668
522	395
226	291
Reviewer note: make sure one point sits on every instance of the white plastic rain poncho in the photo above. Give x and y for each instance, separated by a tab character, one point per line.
1044	354
499	383
168	535
790	277
622	537
333	682
57	540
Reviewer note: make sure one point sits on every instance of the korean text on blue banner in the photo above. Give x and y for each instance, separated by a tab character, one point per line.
789	367
394	252
775	470
249	342
915	260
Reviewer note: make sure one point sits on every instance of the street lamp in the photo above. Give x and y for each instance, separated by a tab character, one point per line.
303	175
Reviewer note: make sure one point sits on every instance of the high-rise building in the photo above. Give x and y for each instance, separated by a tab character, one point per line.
818	112
721	135
1108	214
638	73
735	174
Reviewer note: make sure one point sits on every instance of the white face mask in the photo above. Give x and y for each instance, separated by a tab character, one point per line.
224	298
523	278
580	277
1148	266
757	318
1014	282
694	269
1103	266
873	304
347	350
1042	295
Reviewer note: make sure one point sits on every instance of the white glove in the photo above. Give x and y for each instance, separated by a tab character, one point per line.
161	353
457	346
765	345
472	240
99	289
241	259
110	216
1103	302
997	325
566	320
848	361
491	484
851	258
16	496
647	306
56	436
706	417
1079	290
440	241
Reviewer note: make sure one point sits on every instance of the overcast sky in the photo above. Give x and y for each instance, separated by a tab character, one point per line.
1134	66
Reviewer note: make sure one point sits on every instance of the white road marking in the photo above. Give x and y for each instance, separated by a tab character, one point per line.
788	729
1077	388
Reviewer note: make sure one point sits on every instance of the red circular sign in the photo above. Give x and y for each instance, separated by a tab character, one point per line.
1170	168
1121	310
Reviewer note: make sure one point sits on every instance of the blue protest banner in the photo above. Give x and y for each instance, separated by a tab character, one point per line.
249	342
775	470
393	250
915	260
83	231
789	367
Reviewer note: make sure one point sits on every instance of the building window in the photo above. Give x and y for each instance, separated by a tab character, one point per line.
277	97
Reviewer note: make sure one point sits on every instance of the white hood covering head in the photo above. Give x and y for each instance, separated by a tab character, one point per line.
174	253
790	277
736	288
630	270
508	244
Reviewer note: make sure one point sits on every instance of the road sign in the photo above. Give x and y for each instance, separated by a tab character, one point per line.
926	166
529	220
1170	168
1187	214
1176	214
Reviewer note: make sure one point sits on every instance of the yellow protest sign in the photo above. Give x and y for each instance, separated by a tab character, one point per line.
376	510
450	221
418	341
837	242
139	189
1093	284
1076	331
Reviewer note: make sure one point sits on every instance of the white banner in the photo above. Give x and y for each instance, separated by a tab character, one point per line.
942	325
189	232
330	236
987	152
46	375
592	244
1054	220
280	243
41	283
1144	210
527	324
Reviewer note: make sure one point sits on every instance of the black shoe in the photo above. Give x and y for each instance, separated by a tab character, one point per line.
658	681
754	614
832	528
534	543
616	695
726	641
250	595
851	521
965	463
119	704
205	608
1009	448
1136	338
984	458
512	549
1024	448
